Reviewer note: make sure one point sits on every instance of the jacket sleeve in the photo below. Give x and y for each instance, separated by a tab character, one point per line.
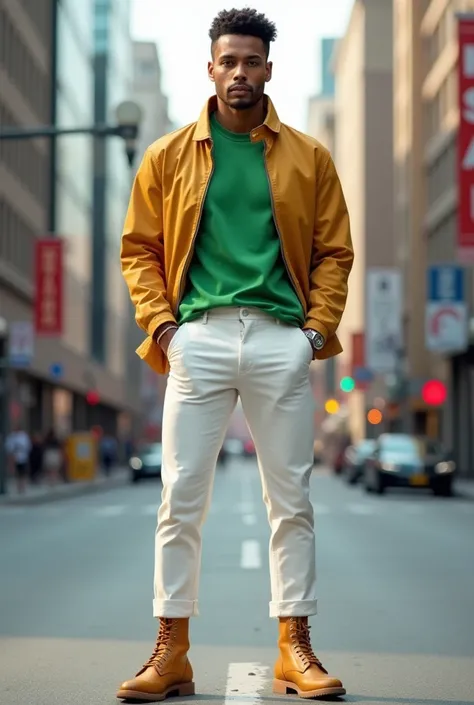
332	255
142	251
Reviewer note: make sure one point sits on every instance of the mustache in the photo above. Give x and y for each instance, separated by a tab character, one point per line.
240	87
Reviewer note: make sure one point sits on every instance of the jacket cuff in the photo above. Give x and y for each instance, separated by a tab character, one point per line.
159	320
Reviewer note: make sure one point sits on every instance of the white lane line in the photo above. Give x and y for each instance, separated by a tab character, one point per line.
150	509
321	509
249	519
250	558
245	683
114	510
361	509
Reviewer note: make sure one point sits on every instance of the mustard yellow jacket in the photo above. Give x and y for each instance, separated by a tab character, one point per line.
165	209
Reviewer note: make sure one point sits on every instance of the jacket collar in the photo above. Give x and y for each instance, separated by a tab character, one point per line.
202	130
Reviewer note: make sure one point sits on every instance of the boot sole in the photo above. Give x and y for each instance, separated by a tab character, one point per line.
174	691
285	688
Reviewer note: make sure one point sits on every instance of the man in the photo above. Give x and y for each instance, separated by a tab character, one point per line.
236	251
18	447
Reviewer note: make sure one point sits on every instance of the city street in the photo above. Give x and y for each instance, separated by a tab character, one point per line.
396	579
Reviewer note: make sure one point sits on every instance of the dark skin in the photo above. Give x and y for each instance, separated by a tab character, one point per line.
240	69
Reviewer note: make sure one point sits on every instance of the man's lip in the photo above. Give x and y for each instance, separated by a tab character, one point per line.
239	89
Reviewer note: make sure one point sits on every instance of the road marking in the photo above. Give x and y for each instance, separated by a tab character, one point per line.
249	519
361	509
245	682
150	509
321	509
250	556
114	510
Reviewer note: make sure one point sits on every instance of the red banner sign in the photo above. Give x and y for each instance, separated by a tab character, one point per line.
466	141
49	287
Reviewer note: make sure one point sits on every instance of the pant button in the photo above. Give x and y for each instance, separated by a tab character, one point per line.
245	312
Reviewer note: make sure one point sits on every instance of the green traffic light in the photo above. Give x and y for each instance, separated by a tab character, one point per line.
347	384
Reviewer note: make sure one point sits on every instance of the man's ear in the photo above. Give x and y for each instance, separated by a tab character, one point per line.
210	70
269	71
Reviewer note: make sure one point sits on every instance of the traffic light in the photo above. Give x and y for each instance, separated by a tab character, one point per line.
374	417
347	384
332	406
434	392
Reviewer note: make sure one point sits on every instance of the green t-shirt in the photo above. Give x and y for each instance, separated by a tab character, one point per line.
237	259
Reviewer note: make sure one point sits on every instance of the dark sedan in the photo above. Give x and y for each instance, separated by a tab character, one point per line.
147	462
401	460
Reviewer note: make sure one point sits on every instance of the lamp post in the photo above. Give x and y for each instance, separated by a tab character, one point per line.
128	115
4	381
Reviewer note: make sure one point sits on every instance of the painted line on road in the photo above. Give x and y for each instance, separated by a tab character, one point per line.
249	519
250	558
114	510
361	509
245	683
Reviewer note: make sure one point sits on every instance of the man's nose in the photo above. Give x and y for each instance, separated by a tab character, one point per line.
240	73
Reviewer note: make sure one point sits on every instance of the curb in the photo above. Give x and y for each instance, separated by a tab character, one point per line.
68	491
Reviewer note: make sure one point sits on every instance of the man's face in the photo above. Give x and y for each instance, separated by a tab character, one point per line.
240	70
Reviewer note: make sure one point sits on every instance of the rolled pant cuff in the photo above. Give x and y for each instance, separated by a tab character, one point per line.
293	608
175	609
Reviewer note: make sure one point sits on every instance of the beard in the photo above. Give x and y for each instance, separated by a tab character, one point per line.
246	102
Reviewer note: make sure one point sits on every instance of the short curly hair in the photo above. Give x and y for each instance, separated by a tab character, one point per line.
247	22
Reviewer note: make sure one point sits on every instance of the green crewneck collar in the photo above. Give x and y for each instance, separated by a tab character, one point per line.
223	132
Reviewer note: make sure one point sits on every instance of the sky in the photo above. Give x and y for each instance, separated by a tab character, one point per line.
180	29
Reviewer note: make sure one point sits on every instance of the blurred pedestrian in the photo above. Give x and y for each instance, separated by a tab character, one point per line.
18	447
237	251
36	458
53	458
108	452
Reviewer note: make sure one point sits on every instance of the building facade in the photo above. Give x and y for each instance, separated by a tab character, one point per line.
363	67
26	41
426	121
48	187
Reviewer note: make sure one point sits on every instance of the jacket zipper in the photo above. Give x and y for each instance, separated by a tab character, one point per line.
195	234
282	249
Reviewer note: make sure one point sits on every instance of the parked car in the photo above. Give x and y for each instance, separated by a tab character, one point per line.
401	460
354	460
146	463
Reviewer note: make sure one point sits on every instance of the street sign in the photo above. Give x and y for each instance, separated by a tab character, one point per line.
465	141
21	347
384	335
447	318
56	370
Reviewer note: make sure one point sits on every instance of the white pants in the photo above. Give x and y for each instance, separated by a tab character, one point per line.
227	353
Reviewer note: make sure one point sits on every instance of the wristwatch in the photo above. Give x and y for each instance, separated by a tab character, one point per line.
315	338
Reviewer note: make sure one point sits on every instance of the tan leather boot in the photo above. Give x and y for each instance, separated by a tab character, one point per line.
168	672
297	669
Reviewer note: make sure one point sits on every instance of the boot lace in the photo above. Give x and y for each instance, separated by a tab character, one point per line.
162	646
300	632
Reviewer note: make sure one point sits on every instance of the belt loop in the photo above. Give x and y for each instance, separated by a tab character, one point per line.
205	317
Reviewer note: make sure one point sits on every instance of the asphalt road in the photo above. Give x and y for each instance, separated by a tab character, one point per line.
396	579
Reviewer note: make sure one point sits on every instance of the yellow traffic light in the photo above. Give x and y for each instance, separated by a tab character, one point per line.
331	406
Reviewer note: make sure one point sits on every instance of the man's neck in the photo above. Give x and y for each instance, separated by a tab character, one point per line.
240	121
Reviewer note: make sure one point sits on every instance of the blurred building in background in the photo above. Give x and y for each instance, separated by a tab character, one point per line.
363	68
148	93
68	64
26	49
427	113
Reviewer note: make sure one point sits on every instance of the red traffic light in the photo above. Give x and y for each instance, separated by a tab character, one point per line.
92	397
434	392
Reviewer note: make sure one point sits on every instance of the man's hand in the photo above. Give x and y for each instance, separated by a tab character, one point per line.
164	338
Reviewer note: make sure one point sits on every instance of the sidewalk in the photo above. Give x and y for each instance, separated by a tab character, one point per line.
464	488
41	494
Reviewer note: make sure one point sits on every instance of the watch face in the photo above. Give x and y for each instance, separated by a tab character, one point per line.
318	341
